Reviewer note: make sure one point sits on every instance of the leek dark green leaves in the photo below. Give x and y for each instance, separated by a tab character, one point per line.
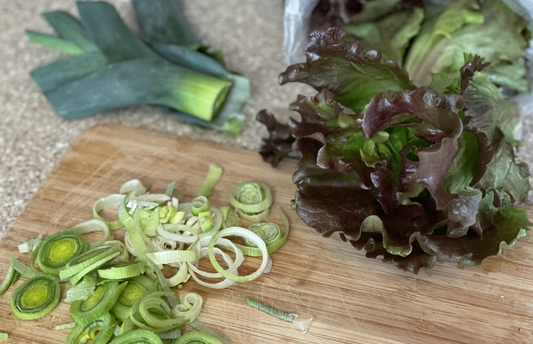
113	68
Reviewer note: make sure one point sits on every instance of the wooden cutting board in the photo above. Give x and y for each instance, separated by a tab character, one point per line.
353	299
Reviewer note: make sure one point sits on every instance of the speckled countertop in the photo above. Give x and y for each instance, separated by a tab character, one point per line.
33	137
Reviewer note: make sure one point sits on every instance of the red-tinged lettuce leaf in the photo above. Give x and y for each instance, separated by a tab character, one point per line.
501	225
342	67
438	122
280	140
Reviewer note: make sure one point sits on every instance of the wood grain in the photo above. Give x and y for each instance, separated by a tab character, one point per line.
353	299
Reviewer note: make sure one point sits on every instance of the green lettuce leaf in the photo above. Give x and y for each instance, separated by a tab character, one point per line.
498	38
390	35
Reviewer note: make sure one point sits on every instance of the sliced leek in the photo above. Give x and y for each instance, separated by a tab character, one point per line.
122	270
211	180
57	250
21	268
37	297
65	326
8	281
251	237
98	304
303	325
199	204
189	308
4	336
135	186
83	290
135	289
31	244
97	332
106	203
138	337
271	235
93	226
252	200
230	217
92	258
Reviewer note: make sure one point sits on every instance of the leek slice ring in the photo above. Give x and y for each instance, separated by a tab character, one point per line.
98	304
136	288
37	297
246	234
99	331
105	203
251	197
59	249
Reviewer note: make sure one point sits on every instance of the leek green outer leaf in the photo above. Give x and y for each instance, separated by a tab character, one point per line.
37	297
141	81
137	336
98	304
192	59
164	21
63	71
70	29
53	42
100	19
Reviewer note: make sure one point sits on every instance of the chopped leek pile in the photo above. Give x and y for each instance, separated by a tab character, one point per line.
110	67
118	292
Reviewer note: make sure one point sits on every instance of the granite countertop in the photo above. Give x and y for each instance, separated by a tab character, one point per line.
33	137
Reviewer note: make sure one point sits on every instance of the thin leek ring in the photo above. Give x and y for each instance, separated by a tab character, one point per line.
138	337
106	324
105	203
103	299
59	249
136	288
199	204
37	297
251	197
239	231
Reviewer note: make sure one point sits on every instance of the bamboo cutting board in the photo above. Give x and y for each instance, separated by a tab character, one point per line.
353	299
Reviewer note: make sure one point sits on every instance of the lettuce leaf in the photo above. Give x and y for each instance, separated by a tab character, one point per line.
410	174
492	31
